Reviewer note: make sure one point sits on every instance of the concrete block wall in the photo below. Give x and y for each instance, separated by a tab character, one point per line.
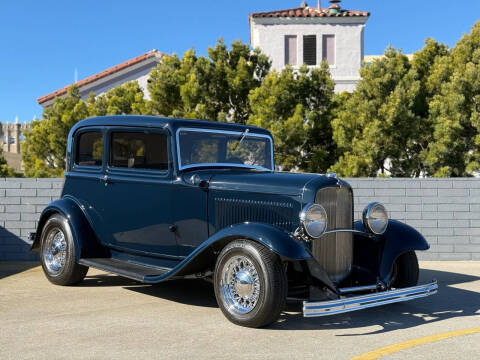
445	211
21	202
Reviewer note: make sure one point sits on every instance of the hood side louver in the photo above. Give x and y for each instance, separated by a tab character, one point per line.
229	211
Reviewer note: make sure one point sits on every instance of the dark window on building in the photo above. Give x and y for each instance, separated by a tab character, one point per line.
328	53
139	150
89	149
310	49
290	50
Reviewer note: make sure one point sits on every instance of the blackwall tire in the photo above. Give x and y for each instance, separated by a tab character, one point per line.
405	270
57	253
250	284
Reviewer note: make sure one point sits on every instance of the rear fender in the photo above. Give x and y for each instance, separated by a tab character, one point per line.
86	242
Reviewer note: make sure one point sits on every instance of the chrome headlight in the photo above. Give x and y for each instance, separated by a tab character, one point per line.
375	218
314	220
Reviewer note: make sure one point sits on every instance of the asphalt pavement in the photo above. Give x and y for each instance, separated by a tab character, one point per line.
109	317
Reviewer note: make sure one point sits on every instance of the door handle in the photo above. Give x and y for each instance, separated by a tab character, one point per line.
107	180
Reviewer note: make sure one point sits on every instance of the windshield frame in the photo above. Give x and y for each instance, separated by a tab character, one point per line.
227	132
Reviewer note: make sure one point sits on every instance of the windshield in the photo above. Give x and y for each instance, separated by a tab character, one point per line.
201	147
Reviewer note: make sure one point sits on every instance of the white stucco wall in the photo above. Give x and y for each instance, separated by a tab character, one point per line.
269	35
139	72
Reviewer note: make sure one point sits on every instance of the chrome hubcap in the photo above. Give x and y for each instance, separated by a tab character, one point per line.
240	285
55	250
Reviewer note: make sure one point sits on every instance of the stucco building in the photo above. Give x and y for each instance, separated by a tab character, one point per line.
11	134
136	69
310	35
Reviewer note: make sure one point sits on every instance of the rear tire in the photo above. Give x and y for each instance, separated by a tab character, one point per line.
57	253
250	284
405	271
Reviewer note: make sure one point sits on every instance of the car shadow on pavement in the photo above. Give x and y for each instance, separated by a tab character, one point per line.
106	280
189	292
449	302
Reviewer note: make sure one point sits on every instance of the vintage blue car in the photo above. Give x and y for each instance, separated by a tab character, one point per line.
156	199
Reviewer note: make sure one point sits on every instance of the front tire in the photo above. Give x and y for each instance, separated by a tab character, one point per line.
405	270
57	253
250	284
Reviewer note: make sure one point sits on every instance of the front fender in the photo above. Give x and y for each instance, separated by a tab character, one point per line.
398	239
85	241
279	241
272	238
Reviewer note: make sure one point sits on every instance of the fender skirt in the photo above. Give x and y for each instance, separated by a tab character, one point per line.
398	239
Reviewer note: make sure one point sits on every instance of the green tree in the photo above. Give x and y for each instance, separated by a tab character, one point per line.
213	88
455	110
127	98
43	150
296	107
383	126
5	170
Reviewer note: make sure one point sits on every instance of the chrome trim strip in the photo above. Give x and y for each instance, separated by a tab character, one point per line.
348	290
346	230
250	134
347	304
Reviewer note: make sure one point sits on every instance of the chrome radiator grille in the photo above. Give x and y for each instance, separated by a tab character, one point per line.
229	211
335	251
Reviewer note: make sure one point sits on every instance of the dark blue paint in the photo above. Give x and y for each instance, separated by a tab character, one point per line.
277	240
85	239
398	239
171	219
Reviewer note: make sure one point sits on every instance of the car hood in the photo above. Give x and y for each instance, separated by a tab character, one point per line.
282	183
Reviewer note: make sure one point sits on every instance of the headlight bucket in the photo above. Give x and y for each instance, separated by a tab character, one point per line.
375	218
314	220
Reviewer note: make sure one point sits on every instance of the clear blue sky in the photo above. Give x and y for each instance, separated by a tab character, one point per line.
42	42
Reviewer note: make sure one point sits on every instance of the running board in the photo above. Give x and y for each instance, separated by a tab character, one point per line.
347	304
123	268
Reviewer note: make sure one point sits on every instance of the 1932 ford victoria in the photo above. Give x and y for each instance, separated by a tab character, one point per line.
156	199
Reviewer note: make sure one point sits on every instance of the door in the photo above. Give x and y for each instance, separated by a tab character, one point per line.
190	210
138	192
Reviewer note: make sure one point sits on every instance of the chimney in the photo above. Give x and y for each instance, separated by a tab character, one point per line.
319	5
334	9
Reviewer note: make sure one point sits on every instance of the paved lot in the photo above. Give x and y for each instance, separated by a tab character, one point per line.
110	317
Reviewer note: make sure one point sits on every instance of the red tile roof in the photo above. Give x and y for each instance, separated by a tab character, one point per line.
309	12
102	74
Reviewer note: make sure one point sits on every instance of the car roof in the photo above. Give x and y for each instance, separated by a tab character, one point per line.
161	122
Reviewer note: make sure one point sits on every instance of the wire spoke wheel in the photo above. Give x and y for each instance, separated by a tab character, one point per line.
55	250
250	283
240	285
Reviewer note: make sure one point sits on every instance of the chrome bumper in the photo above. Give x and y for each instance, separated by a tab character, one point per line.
347	304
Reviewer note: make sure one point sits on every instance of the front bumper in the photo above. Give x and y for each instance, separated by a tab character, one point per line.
347	304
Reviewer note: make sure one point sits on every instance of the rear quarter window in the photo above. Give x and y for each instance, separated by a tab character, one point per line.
89	149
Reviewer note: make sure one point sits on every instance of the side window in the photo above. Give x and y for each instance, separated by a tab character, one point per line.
328	53
310	49
89	149
290	50
138	150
